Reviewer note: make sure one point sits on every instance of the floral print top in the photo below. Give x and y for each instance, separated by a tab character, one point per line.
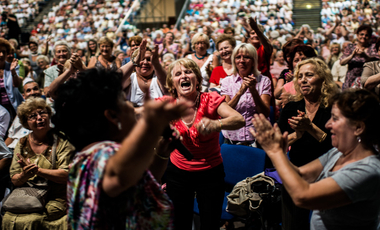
144	206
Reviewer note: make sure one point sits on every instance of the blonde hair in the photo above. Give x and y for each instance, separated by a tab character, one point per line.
251	50
329	87
105	40
188	64
28	106
200	37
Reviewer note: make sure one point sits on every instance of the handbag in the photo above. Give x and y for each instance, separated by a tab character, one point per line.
30	198
247	195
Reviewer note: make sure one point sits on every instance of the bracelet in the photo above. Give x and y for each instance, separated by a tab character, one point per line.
221	124
323	137
161	157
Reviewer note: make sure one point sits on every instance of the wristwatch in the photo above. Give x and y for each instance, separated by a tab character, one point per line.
134	63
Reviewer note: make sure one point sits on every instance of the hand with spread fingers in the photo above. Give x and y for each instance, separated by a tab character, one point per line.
270	138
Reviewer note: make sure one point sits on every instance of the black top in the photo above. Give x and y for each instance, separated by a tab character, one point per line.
307	148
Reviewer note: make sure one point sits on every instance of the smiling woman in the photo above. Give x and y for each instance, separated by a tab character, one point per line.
105	59
200	128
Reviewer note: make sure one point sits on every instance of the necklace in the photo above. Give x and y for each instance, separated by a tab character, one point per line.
34	142
195	113
200	58
144	80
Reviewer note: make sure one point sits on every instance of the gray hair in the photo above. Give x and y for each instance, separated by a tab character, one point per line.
62	43
45	58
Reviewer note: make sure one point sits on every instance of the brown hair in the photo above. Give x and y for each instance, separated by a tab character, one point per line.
225	37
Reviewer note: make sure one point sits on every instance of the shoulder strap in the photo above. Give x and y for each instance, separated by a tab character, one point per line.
54	152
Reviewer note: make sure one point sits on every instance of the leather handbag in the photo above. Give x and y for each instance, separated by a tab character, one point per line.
30	198
247	194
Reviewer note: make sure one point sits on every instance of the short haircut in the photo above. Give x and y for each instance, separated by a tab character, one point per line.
28	106
200	37
225	37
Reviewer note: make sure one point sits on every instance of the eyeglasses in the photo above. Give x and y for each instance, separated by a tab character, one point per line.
30	89
245	58
33	116
133	45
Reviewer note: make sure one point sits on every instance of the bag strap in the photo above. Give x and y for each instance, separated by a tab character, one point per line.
54	151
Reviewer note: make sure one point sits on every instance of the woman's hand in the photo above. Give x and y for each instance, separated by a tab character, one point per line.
301	123
207	126
270	138
289	76
141	53
29	169
14	64
155	55
253	24
251	81
163	147
285	98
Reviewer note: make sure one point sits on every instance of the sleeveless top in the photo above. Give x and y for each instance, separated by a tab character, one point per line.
113	66
136	95
206	78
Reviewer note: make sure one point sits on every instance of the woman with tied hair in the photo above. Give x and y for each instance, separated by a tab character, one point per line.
343	185
247	91
105	59
32	164
200	128
200	43
356	54
334	56
113	178
304	119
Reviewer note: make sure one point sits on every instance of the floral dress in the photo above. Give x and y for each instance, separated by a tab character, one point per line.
355	65
144	206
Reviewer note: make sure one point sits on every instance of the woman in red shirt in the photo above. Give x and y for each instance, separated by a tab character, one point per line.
204	174
225	45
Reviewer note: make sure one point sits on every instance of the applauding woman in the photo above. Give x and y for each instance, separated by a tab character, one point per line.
343	185
200	128
247	91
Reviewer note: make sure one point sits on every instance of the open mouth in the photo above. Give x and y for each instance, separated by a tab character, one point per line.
40	124
185	85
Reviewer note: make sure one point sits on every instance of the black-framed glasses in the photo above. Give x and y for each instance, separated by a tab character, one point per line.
33	116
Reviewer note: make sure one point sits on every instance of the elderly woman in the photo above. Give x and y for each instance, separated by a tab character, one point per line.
62	53
225	44
168	45
111	181
41	158
371	74
335	54
149	77
356	54
9	80
279	65
105	59
43	63
342	186
92	50
247	91
200	43
200	128
304	120
33	47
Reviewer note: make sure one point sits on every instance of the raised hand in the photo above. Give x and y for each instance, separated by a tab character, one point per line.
14	64
301	122
141	52
270	138
251	80
253	24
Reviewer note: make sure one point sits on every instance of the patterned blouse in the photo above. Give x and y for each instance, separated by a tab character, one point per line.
144	206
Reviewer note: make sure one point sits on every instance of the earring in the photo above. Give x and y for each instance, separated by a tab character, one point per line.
119	125
359	139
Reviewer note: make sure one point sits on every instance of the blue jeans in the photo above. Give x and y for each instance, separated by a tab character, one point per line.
208	185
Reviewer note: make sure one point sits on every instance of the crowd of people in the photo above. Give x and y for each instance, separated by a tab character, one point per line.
83	112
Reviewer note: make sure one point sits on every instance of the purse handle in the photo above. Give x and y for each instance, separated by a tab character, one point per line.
54	152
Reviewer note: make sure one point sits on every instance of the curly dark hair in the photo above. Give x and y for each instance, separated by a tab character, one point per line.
80	106
360	105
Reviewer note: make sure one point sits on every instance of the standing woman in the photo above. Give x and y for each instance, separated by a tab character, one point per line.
105	60
92	50
225	45
200	128
356	54
334	56
200	43
247	91
9	80
304	119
